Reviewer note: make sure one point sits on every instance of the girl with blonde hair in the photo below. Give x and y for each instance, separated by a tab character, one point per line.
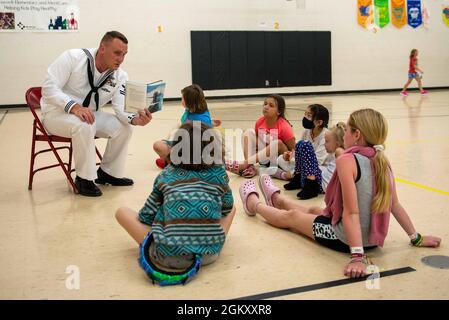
359	198
310	168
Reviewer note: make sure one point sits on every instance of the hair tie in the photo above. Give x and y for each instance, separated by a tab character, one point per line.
379	147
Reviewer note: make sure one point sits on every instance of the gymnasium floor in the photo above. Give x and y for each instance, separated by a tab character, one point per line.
45	231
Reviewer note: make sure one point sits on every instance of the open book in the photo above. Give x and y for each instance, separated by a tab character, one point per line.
141	96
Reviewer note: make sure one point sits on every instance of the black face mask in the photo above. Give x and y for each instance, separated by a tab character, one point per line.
307	124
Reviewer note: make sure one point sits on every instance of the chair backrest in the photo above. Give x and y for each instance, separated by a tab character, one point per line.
33	99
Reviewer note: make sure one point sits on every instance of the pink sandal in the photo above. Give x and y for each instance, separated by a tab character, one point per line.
233	166
249	172
268	188
249	187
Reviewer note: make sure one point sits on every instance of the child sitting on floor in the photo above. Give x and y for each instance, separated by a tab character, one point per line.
190	210
359	198
272	132
195	105
316	177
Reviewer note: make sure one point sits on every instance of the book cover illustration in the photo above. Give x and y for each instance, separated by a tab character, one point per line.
155	96
145	96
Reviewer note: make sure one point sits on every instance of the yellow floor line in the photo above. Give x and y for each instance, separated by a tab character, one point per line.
422	186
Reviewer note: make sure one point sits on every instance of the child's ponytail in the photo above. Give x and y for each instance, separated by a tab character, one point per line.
374	129
382	201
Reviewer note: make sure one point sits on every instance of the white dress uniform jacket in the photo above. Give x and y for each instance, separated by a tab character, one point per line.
66	84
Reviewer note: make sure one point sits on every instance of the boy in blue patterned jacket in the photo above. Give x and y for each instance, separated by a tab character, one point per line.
191	207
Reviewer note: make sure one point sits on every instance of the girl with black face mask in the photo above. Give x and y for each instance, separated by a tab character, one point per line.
301	171
307	123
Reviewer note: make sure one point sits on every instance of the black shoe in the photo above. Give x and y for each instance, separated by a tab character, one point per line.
87	187
295	183
310	190
104	178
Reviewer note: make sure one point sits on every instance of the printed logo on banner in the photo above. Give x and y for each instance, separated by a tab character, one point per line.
398	13
22	26
365	11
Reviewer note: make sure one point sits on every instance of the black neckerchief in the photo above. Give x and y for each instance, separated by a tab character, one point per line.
90	75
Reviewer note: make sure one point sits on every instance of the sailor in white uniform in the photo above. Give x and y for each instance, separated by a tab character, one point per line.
79	82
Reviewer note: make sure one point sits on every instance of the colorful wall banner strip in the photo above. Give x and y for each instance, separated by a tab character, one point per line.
414	14
398	13
381	12
365	14
425	15
39	15
445	14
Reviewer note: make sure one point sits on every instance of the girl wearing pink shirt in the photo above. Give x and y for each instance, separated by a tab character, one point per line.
273	134
359	198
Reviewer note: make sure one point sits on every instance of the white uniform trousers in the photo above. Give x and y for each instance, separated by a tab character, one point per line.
106	125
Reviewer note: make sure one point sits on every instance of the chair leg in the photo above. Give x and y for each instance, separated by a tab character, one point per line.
66	172
98	154
69	169
33	149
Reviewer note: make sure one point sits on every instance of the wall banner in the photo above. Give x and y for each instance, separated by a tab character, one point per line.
414	14
39	15
381	12
398	13
425	15
445	14
365	12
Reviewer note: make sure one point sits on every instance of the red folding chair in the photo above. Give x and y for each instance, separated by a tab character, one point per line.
33	98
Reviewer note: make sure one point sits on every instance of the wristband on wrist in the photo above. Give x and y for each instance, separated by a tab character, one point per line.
358	250
417	241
